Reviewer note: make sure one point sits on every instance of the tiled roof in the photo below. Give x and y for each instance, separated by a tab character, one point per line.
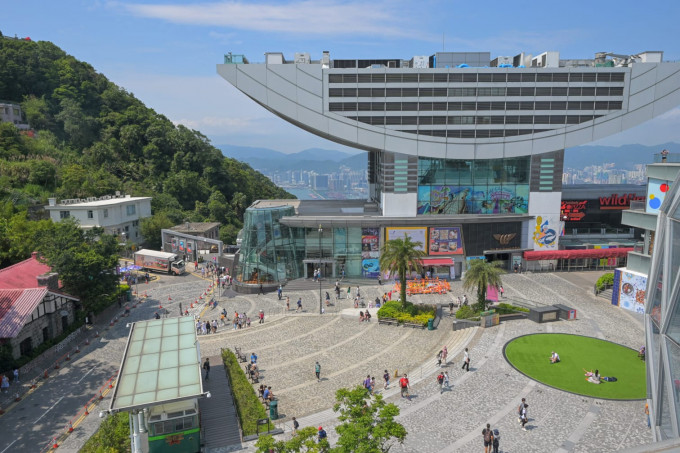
15	306
23	275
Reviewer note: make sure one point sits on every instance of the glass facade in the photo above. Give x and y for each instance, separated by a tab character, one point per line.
662	318
270	252
481	186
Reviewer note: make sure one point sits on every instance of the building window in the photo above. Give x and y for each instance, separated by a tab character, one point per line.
135	223
106	213
90	214
64	214
130	209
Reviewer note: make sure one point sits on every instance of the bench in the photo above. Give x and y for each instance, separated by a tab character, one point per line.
241	356
388	321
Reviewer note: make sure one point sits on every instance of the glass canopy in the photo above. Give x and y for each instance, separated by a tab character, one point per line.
161	365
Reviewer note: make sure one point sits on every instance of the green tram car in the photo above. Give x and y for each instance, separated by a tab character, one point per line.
174	427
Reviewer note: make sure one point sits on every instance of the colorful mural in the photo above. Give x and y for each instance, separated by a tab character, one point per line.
656	193
545	233
446	241
629	290
370	252
451	200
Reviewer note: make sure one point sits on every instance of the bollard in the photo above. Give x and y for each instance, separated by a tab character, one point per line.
77	348
70	427
68	356
56	366
86	411
96	335
111	323
396	373
55	444
1	411
45	376
101	397
115	319
110	384
17	397
87	341
33	384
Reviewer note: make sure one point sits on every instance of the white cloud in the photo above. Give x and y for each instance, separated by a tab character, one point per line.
309	17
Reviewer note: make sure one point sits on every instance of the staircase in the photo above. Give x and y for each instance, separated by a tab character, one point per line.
219	422
606	294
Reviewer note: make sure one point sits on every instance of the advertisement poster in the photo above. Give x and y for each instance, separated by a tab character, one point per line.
631	290
416	234
181	245
656	193
446	241
546	233
453	200
370	252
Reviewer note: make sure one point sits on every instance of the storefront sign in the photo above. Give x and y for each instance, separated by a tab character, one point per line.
446	241
616	201
370	252
574	211
416	234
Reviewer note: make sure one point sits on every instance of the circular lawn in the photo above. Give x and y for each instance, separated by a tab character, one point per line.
530	355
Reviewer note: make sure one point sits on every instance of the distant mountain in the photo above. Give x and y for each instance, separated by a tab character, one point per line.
312	159
625	157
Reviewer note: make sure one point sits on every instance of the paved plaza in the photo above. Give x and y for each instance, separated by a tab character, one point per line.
289	343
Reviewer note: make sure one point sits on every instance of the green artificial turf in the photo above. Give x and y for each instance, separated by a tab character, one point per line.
530	354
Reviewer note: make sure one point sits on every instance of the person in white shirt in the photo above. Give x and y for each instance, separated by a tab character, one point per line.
554	357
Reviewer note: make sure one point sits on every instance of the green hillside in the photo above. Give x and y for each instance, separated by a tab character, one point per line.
93	138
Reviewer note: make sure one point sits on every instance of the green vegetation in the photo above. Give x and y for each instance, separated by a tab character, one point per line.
480	275
607	280
467	312
113	436
407	312
367	425
92	138
530	354
401	257
248	405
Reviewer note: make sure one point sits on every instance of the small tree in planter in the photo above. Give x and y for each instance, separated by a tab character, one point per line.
480	275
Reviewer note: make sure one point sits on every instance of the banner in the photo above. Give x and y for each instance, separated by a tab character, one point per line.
370	252
482	199
416	234
446	241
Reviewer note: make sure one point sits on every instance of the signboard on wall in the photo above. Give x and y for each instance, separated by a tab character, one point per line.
546	232
446	241
629	290
656	193
370	252
574	211
619	202
416	234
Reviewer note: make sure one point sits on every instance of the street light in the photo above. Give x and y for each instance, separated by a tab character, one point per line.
320	253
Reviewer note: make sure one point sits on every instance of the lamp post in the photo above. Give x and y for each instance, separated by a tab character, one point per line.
320	253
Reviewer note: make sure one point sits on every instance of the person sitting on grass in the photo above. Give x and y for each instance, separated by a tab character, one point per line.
593	377
554	357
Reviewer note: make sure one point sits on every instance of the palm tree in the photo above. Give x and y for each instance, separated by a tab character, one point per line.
480	275
401	256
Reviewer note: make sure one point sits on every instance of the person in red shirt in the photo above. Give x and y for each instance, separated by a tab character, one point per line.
403	383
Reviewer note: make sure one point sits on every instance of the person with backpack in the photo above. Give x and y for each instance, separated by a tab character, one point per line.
487	435
322	433
466	361
386	377
519	410
404	385
524	417
496	440
440	381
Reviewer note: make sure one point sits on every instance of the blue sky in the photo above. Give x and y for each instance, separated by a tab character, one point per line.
165	52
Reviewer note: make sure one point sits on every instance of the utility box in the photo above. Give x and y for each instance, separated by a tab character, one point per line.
544	314
566	313
274	409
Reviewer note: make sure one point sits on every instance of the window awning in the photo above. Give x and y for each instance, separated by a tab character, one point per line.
576	254
437	262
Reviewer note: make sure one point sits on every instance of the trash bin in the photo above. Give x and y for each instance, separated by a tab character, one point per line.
128	295
273	409
430	324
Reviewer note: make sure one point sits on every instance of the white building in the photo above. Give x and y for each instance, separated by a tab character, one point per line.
119	215
11	113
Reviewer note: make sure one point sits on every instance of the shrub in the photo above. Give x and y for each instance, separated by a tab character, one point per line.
504	309
113	435
248	404
417	314
606	280
465	312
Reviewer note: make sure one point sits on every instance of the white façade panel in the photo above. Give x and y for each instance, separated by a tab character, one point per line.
313	70
578	136
431	148
309	100
548	144
342	131
313	120
642	80
669	84
546	228
399	205
519	146
460	151
638	116
667	103
309	83
281	79
252	87
282	105
607	128
370	138
405	145
228	72
257	72
640	99
489	151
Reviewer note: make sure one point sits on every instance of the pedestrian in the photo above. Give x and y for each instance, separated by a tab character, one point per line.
372	383
328	299
253	358
322	434
296	425
5	384
446	380
439	358
317	371
214	326
649	422
280	292
379	280
206	367
466	360
358	293
445	354
440	381
261	290
404	385
16	375
465	299
287	303
487	434
367	384
349	292
261	316
299	305
386	378
502	291
451	308
519	410
525	417
156	315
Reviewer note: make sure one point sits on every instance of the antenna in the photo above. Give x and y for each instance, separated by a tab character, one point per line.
443	48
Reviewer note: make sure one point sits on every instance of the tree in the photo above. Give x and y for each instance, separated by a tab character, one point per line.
368	423
151	229
480	275
401	256
305	440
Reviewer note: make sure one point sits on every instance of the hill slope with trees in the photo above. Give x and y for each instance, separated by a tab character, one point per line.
93	138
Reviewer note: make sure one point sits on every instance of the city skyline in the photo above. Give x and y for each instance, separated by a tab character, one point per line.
167	53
